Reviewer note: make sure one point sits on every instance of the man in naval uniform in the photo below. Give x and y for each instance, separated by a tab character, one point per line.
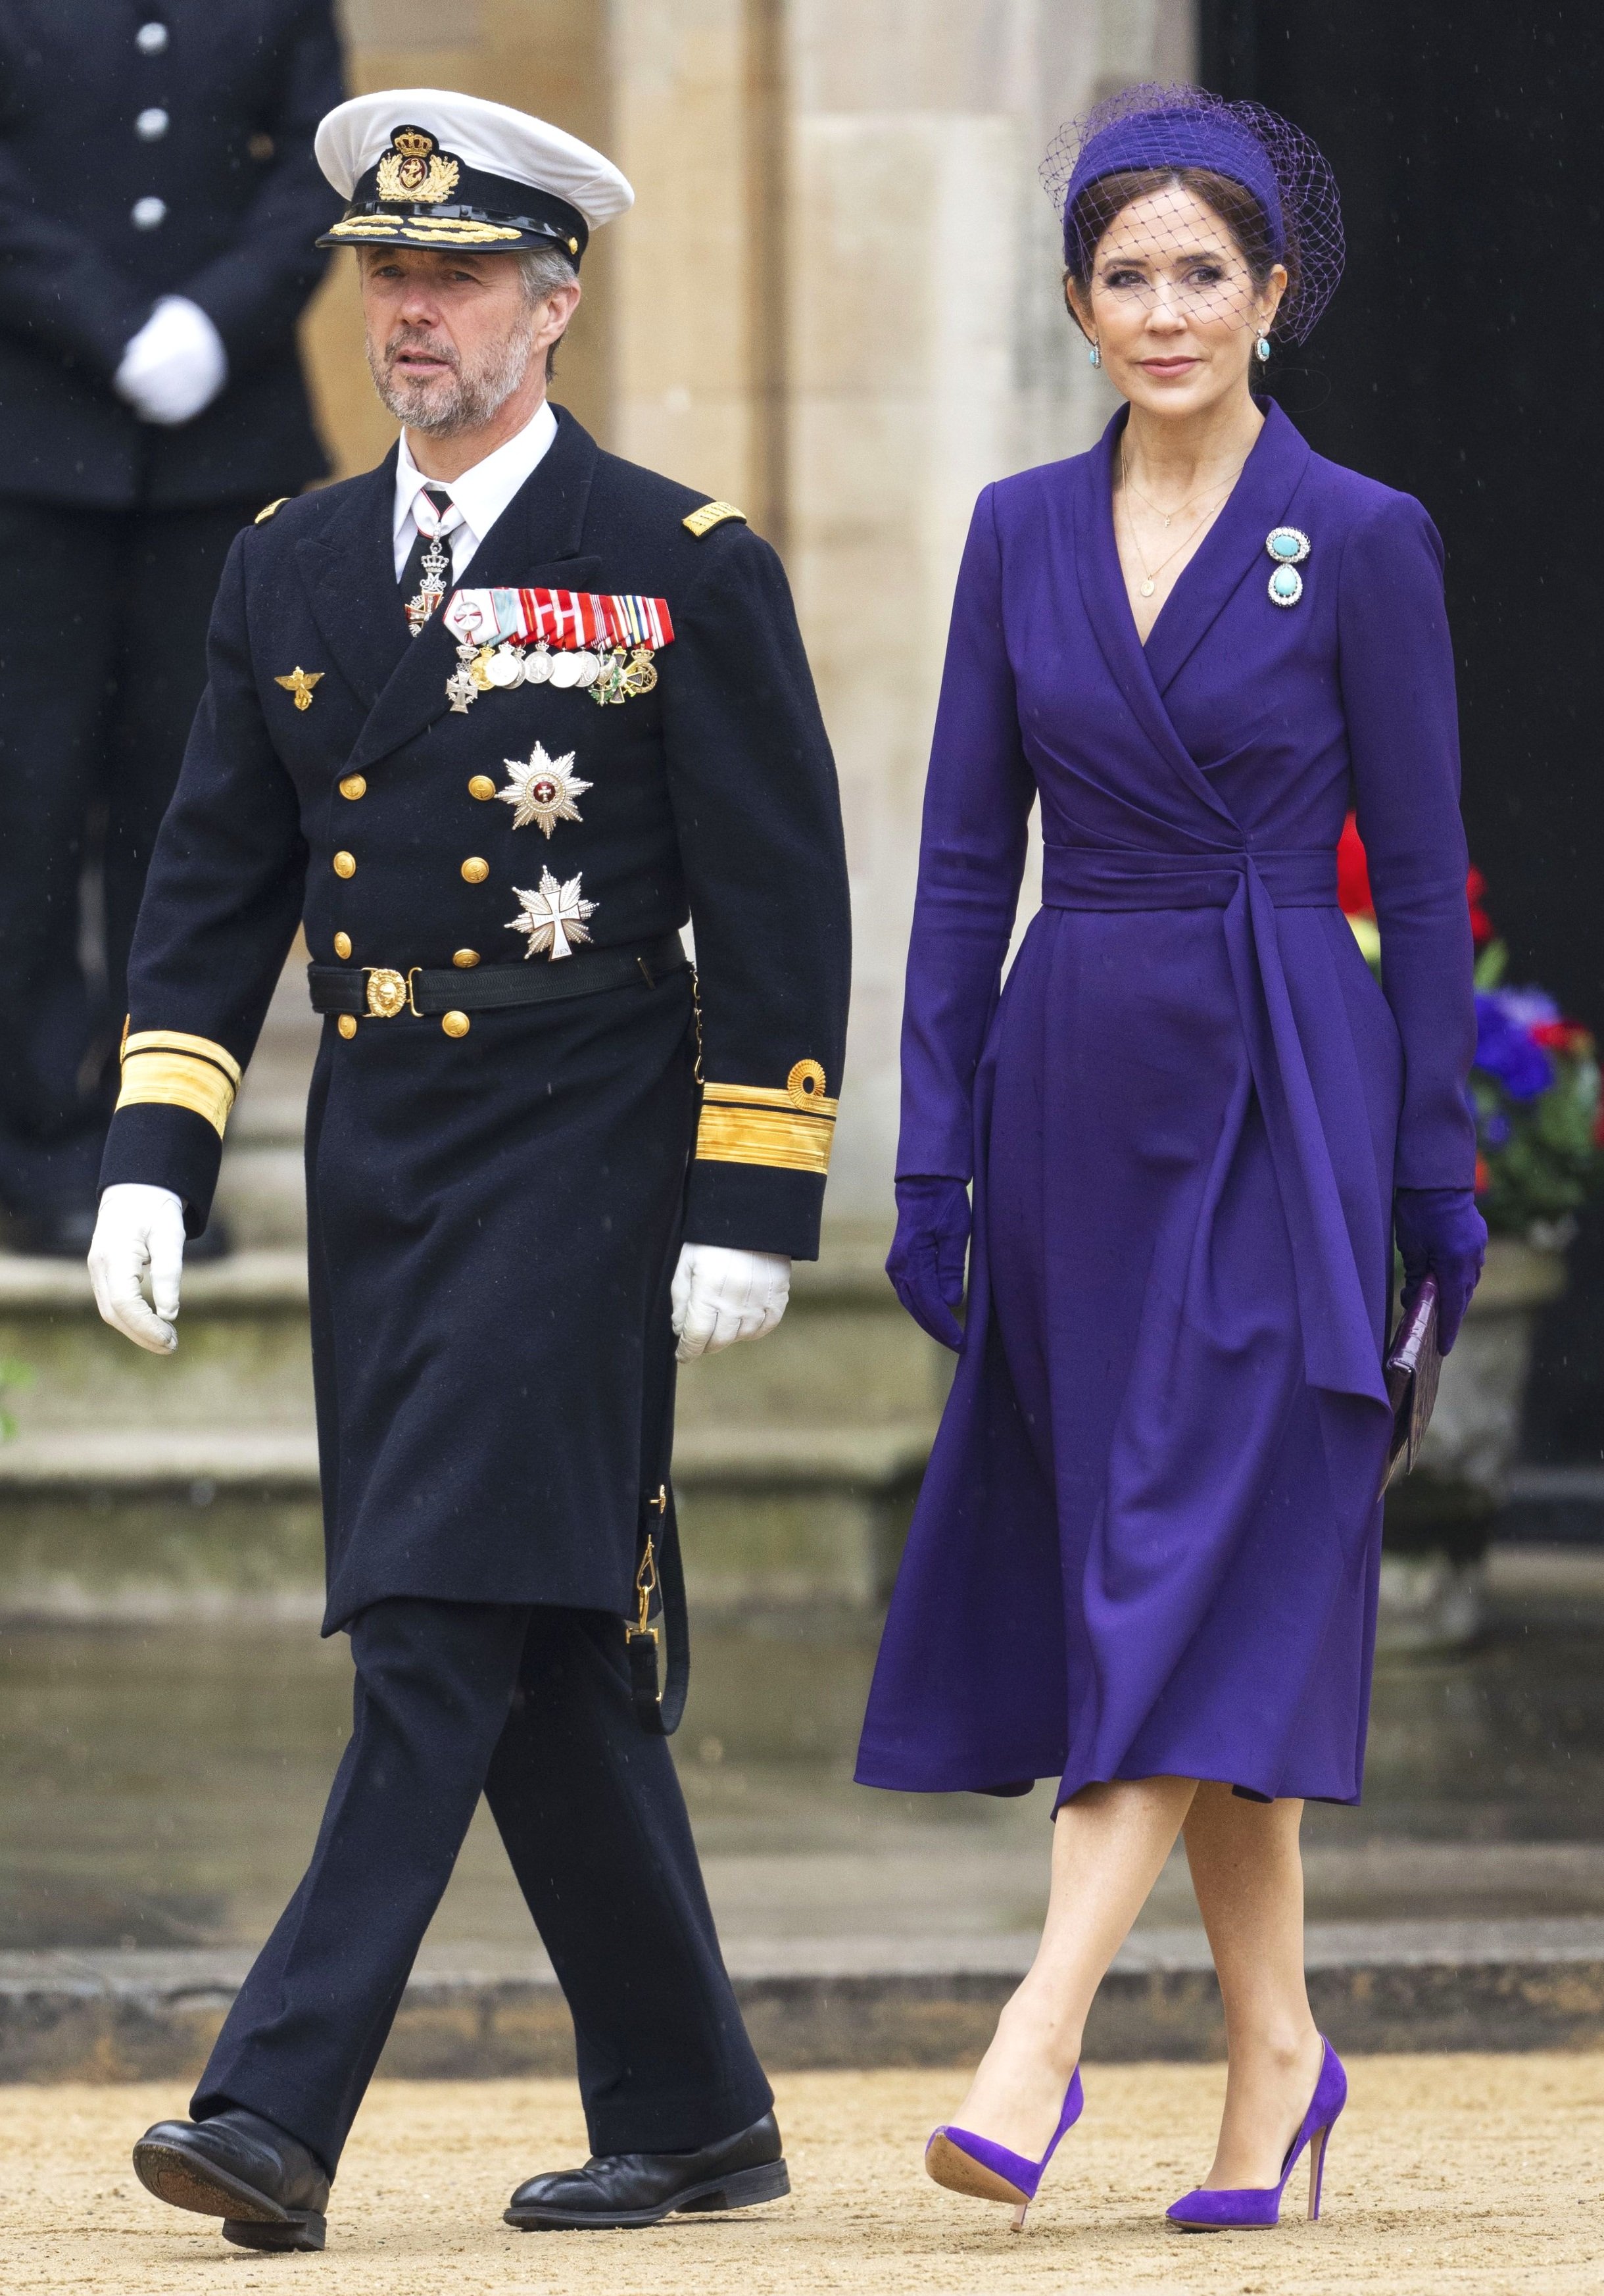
494	721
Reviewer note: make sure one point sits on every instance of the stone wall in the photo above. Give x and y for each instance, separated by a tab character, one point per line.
835	303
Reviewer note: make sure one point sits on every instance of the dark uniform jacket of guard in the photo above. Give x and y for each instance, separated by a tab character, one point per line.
243	86
495	1214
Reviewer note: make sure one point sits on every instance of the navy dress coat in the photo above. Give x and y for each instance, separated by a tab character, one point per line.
1148	1541
495	1216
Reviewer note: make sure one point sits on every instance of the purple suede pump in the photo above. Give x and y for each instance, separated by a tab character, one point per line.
967	2163
1258	2206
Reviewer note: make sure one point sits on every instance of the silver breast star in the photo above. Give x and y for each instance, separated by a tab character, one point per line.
553	916
543	791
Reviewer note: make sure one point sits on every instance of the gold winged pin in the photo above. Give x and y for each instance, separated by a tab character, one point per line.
300	682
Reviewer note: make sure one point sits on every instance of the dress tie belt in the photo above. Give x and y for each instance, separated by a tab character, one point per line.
1342	1349
1118	877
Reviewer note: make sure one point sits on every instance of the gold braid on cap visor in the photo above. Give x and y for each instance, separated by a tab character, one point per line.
790	1130
423	230
167	1068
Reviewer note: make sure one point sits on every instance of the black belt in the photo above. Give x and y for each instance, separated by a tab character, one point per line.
380	993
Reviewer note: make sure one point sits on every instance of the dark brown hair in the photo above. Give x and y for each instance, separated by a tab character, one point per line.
1240	213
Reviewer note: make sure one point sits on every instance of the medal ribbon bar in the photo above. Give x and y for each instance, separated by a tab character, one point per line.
566	620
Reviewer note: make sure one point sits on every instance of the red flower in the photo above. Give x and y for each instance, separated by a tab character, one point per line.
1481	923
1483	1176
1560	1037
1353	874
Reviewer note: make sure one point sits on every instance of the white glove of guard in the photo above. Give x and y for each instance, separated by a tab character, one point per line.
175	365
721	1296
139	1227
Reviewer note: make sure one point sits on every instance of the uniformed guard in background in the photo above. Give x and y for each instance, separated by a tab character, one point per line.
495	720
158	200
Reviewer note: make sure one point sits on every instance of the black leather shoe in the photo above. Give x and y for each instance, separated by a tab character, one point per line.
268	2189
616	2190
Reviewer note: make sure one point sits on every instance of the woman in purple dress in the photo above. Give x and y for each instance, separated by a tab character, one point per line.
1144	1561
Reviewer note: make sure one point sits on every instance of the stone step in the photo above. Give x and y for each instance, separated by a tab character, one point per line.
846	1354
141	1484
153	1519
243	1357
861	2002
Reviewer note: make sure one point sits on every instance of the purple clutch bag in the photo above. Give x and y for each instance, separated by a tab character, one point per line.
1413	1363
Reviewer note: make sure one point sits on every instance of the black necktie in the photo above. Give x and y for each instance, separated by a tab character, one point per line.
426	575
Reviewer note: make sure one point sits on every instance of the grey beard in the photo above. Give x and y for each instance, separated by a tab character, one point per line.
473	398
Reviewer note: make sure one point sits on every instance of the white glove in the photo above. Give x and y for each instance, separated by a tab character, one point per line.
175	365
721	1296
139	1227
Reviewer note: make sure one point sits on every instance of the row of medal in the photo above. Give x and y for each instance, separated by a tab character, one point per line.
603	646
612	676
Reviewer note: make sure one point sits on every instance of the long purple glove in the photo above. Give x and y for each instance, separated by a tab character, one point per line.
928	1253
1440	1233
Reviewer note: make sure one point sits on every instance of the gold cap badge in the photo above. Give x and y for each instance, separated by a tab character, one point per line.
413	169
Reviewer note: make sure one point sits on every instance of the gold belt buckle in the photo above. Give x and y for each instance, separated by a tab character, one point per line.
387	991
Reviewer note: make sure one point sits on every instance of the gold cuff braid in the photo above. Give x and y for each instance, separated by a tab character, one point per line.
169	1068
790	1130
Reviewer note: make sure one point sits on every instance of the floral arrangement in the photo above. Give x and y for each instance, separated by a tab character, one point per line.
1534	1089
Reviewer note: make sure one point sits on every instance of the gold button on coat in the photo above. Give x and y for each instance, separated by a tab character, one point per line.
481	787
456	1024
342	944
353	785
345	865
473	869
347	1024
463	957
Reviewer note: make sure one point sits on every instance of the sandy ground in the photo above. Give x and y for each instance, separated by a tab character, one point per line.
1452	2174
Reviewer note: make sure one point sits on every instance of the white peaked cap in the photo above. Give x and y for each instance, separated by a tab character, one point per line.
491	138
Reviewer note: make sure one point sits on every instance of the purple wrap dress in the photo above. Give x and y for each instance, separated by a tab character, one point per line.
1147	1540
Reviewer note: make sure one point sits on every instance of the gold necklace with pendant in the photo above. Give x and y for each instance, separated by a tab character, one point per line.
1149	573
1167	515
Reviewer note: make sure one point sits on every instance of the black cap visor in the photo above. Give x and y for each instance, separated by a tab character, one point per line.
492	213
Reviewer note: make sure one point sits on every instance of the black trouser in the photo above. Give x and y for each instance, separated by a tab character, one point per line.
532	1706
102	659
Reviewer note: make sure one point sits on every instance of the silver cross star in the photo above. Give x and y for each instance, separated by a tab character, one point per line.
553	916
543	791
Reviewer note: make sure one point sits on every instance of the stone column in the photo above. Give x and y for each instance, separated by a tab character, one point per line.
929	353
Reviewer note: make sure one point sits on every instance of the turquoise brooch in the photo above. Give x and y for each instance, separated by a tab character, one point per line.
1289	545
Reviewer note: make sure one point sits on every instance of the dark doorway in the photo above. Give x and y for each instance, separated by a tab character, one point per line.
1463	360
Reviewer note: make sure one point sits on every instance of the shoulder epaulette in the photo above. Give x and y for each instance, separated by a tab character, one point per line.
264	514
711	515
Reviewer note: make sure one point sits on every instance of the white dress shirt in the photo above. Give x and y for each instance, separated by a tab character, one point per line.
481	494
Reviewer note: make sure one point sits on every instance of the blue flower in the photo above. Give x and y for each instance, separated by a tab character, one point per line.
1503	1044
1495	1130
1526	1006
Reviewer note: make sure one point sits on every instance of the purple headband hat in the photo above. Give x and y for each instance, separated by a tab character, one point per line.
1180	127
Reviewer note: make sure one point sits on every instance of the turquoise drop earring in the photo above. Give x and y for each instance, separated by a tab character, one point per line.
1262	349
1093	355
